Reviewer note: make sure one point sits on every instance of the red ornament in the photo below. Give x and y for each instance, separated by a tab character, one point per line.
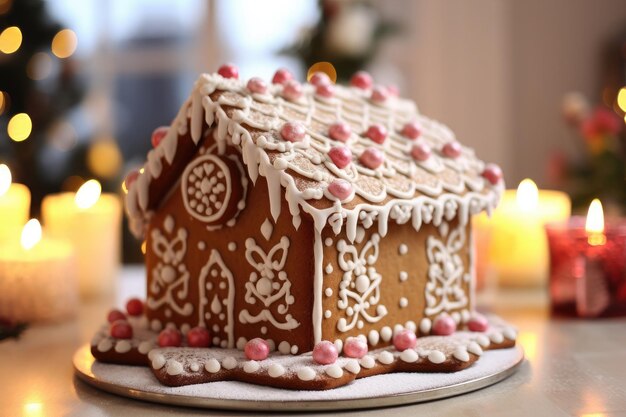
257	85
158	135
412	130
320	78
228	71
478	323
257	349
420	151
325	90
292	132
372	158
340	155
292	90
355	348
121	329
325	353
198	337
492	173
115	315
169	338
134	306
377	133
282	76
362	80
340	131
340	189
379	95
131	178
404	339
452	149
444	325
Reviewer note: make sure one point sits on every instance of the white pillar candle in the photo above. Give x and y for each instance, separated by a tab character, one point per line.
37	278
14	206
91	221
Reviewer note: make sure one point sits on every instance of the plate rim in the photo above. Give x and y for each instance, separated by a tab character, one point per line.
387	400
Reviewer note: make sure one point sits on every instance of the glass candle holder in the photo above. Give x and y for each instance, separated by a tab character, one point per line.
587	276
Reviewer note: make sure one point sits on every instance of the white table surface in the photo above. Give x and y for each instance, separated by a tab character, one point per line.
574	367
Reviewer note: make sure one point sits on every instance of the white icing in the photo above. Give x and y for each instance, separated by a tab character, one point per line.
461	354
284	347
195	367
339	345
241	343
173	367
334	371
328	269
229	363
266	229
251	366
436	357
410	325
294	349
306	373
260	286
373	337
276	370
352	366
201	245
104	345
144	347
328	241
123	346
328	292
328	314
156	325
386	333
367	362
402	249
385	357
359	289
232	246
403	276
212	275
212	366
474	348
483	340
158	361
496	337
510	333
409	355
403	302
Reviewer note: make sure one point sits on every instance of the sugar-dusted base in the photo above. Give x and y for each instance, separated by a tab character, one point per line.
184	366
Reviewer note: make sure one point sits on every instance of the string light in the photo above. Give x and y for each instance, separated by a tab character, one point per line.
10	40
621	99
64	43
104	158
19	127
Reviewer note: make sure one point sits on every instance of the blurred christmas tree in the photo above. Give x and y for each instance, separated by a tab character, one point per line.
348	35
39	86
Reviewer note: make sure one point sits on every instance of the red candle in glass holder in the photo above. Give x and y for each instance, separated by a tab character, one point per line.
588	266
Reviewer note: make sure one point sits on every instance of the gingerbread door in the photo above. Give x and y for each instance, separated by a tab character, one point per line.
217	299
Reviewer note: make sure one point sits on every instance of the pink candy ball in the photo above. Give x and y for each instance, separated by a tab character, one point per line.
372	158
421	151
325	353
412	130
404	339
452	149
492	173
169	338
131	178
478	323
377	133
319	78
281	76
362	80
355	348
340	131
257	85
158	135
228	71
340	155
444	325
257	349
292	90
325	90
292	132
340	189
379	95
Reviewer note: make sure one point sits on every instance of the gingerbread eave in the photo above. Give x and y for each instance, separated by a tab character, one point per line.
400	188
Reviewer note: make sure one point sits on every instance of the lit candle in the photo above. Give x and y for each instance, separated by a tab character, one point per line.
514	239
14	206
37	278
92	222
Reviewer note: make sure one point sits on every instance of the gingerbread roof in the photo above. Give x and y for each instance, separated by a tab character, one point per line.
343	155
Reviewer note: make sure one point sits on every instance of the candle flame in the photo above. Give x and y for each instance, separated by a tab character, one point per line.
88	194
594	226
5	179
527	195
31	234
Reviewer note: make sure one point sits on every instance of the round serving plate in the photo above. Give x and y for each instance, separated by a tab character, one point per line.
376	391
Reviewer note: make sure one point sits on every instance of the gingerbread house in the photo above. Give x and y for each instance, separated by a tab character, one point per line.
306	212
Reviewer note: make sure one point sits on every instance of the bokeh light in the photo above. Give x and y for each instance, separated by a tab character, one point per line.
39	66
62	135
621	99
19	127
10	40
64	43
325	67
104	158
3	102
